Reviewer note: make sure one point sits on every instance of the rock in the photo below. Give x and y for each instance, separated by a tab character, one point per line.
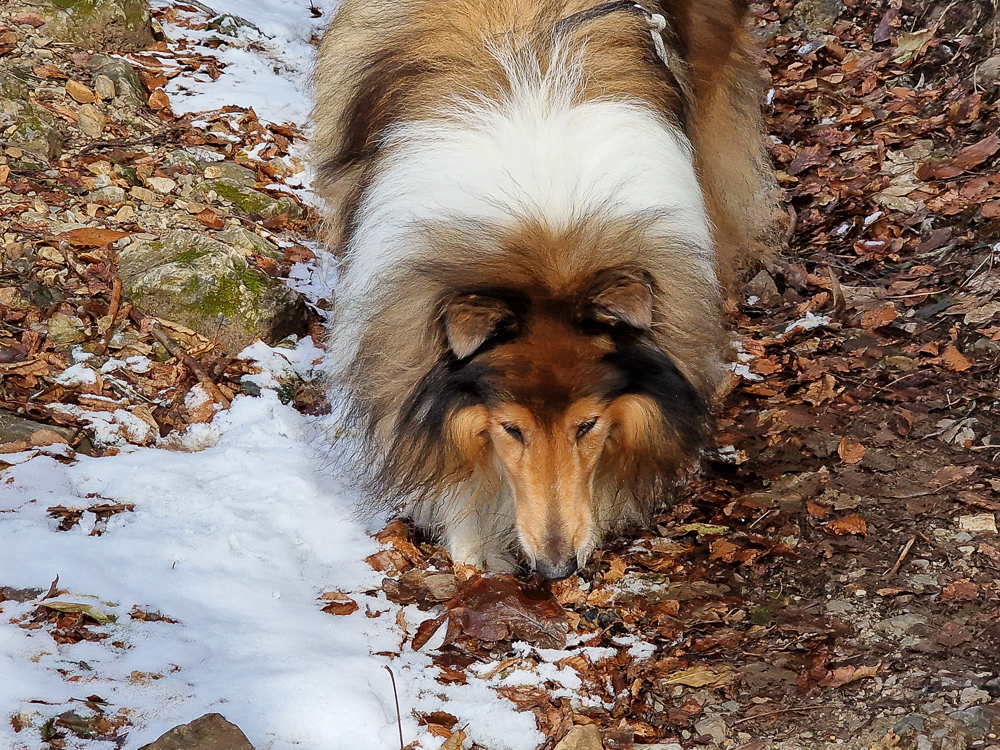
230	170
230	25
64	331
972	696
815	16
37	135
250	201
209	732
109	194
715	727
200	282
124	77
104	87
587	737
92	121
144	195
988	72
247	240
14	429
114	25
161	184
761	286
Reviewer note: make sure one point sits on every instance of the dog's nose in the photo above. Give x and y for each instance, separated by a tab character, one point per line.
557	570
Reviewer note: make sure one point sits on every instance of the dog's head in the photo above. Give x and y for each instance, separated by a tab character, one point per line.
561	395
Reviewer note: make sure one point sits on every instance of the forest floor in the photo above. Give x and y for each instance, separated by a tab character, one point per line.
831	576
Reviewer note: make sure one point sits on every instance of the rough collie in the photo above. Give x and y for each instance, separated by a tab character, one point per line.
539	204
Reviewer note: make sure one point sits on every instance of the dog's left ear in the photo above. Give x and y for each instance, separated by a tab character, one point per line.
470	320
621	297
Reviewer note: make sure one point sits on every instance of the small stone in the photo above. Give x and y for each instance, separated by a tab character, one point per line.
142	194
104	87
761	286
978	523
587	737
15	429
161	184
972	696
988	72
125	213
110	194
715	727
79	92
92	121
209	732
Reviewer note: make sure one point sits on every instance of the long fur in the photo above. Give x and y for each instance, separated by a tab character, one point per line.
477	146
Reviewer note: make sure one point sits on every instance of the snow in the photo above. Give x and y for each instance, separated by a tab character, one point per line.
236	530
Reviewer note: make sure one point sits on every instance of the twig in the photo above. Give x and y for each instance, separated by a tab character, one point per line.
782	711
116	301
177	351
902	556
399	718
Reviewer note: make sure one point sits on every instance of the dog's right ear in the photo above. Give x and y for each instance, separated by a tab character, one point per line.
470	320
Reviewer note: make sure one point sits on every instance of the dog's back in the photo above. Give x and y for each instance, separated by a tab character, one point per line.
497	167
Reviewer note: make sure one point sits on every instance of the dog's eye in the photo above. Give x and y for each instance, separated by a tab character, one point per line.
584	428
514	432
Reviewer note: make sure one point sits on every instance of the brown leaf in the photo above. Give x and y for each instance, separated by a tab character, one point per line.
963	590
701	676
953	634
159	100
966	159
850	451
852	524
817	511
89	237
991	210
879	317
208	218
843	675
340	604
953	359
500	608
80	93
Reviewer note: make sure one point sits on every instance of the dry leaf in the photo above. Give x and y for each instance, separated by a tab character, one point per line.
80	93
89	237
208	218
879	317
851	451
700	677
848	525
159	100
953	359
340	604
843	675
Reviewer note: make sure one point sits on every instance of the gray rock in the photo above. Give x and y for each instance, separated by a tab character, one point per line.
911	723
207	285
713	726
230	25
128	85
247	240
113	25
761	286
815	16
587	737
988	72
108	194
14	429
209	732
229	170
36	134
250	201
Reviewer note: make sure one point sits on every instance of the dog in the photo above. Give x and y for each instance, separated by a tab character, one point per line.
539	205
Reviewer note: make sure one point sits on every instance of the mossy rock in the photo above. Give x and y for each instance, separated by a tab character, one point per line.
128	85
209	287
113	25
251	201
37	136
247	240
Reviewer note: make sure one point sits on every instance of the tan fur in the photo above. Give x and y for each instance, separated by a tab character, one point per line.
447	40
384	62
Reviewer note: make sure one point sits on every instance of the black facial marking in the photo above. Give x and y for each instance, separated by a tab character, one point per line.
646	370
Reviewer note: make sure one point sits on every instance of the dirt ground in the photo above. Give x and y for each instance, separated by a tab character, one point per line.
829	577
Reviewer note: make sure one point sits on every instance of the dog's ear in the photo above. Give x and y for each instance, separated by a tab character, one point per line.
470	320
621	297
